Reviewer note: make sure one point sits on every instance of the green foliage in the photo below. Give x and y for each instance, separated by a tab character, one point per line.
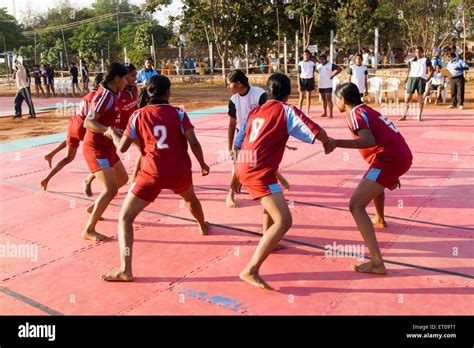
89	41
50	54
10	30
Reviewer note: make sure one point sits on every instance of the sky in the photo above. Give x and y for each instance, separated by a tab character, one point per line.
43	5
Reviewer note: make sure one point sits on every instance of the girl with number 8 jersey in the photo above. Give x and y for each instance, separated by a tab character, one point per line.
162	133
385	149
261	145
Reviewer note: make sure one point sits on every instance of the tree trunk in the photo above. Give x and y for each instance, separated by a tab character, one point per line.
224	64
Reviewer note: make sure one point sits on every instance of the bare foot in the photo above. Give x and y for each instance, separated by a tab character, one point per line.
94	236
378	222
43	185
370	267
254	279
324	115
116	276
204	228
403	118
330	116
90	209
230	202
86	187
48	160
284	183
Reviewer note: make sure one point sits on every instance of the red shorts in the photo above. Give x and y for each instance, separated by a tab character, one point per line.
257	191
148	187
387	173
75	132
99	159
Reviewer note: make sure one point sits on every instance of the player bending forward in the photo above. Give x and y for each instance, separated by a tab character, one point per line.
385	149
162	132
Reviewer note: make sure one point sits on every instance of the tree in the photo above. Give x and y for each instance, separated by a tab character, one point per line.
89	41
50	53
429	23
137	39
10	30
308	12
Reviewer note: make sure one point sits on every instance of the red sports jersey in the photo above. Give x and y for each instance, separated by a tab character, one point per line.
75	128
263	138
128	102
106	103
390	144
160	129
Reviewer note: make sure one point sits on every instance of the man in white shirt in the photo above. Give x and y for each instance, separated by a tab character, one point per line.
23	93
237	63
416	80
358	75
365	58
306	70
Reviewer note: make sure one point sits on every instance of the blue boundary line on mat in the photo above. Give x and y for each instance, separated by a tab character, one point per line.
57	137
253	233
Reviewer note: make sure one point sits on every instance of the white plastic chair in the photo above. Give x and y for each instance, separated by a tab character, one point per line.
375	86
391	86
67	87
58	85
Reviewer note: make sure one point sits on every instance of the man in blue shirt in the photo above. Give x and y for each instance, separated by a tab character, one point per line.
143	77
436	60
456	68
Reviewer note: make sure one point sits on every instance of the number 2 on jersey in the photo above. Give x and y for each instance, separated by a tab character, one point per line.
256	126
160	133
388	123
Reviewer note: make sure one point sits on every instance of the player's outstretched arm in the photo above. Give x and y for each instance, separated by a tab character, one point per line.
121	142
322	136
197	150
365	140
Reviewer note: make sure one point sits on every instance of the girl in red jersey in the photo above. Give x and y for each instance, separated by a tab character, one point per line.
162	132
129	102
261	142
75	134
385	149
99	151
128	97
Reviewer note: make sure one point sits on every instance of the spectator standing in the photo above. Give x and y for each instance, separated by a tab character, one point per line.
23	93
358	75
74	79
37	77
456	68
85	77
420	71
45	73
143	78
366	57
436	60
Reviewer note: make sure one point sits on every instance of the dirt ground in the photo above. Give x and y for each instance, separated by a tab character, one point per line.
190	96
